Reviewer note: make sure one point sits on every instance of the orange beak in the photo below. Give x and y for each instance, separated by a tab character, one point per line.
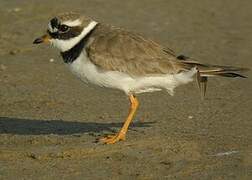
43	39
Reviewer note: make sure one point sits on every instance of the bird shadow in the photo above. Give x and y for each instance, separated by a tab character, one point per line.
19	126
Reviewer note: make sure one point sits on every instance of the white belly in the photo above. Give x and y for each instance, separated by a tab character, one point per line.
88	72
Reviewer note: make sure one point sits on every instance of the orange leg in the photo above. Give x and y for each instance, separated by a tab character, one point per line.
122	133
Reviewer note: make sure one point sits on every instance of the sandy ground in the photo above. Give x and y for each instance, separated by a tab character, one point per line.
49	120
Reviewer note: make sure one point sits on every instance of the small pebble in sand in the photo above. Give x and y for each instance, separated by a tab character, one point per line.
16	9
14	51
190	117
3	67
51	60
35	156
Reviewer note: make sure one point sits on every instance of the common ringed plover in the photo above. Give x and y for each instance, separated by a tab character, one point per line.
112	57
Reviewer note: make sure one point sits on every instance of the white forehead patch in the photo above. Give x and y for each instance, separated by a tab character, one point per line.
64	45
52	30
76	22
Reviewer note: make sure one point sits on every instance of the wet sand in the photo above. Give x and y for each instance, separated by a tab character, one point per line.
49	120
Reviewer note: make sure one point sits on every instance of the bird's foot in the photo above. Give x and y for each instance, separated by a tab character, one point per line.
111	139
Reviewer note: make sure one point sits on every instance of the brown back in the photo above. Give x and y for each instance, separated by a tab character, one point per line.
116	49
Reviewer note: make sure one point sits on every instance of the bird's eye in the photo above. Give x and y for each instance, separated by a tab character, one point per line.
64	28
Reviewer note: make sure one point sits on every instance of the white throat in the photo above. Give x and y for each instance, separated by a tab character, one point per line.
64	45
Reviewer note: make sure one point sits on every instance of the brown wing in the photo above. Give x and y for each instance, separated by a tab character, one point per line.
118	50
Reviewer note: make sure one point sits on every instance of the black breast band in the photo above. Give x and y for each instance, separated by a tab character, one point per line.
72	54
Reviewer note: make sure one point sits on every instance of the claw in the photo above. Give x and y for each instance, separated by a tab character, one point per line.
111	139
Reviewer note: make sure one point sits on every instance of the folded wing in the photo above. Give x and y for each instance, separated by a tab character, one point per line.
115	49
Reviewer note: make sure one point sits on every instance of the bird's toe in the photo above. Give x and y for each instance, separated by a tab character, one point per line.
112	139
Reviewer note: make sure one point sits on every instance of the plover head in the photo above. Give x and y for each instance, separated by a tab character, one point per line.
66	30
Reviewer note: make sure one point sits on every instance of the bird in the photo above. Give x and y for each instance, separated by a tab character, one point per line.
113	57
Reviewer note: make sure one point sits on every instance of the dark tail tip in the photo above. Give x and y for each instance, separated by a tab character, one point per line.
232	75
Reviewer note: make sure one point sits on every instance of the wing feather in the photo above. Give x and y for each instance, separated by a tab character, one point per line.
115	49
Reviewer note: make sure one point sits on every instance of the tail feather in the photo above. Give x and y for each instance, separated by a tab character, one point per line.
207	70
231	74
202	84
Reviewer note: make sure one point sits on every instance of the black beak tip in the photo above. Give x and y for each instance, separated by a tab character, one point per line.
38	41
